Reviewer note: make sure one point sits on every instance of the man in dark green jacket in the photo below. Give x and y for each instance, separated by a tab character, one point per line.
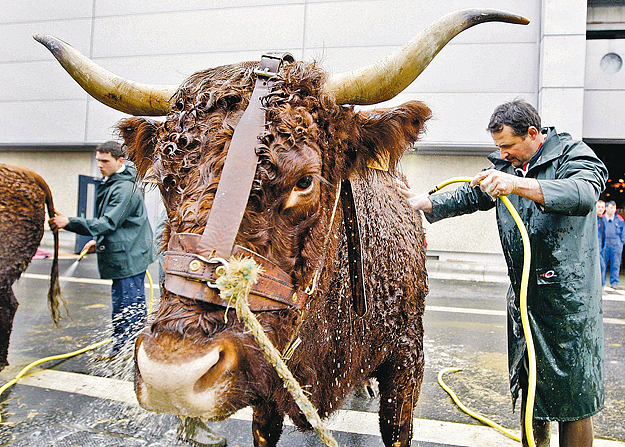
123	239
554	183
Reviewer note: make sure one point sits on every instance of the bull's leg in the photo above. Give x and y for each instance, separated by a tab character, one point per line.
267	425
8	307
400	383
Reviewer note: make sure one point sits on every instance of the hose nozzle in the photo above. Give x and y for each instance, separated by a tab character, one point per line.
83	253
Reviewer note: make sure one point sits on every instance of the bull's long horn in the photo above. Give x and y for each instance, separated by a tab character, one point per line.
389	76
114	91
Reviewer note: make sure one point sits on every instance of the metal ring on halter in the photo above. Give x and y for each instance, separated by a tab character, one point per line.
272	63
223	263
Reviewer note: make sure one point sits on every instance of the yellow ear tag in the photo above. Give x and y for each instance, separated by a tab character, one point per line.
381	165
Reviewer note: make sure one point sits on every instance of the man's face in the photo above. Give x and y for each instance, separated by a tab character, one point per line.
610	209
517	150
600	208
107	164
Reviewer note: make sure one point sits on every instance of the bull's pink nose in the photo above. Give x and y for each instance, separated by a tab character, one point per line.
175	382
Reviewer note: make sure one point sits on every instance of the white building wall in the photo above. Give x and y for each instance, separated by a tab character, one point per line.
604	100
462	237
562	65
163	42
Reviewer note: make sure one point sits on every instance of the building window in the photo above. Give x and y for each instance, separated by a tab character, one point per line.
611	63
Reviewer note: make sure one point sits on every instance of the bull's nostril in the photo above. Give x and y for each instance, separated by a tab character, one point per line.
225	364
211	376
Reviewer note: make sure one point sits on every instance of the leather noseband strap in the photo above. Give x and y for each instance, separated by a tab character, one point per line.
191	276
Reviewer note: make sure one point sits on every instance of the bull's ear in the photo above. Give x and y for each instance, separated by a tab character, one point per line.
385	134
139	136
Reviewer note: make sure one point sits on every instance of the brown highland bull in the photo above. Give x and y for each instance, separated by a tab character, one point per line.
193	361
24	195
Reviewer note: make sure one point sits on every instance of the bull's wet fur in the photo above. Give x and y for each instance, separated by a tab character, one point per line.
308	135
24	196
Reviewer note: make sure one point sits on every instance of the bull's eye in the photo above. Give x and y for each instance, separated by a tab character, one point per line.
303	194
304	182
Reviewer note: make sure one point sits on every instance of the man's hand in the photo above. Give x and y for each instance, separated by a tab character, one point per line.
57	222
89	247
496	183
418	202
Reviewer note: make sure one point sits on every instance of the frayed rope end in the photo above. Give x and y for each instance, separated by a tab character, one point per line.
237	281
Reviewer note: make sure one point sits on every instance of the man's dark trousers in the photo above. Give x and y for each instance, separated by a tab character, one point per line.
129	308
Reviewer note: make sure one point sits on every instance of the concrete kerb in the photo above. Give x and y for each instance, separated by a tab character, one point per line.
467	271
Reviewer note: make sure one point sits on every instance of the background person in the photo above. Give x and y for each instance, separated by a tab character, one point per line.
554	183
123	240
612	244
600	207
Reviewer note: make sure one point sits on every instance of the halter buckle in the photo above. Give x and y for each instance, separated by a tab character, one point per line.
218	271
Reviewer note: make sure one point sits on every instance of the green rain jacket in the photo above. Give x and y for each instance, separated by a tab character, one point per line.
121	228
564	292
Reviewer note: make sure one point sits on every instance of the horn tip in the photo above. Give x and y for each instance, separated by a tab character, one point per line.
45	39
54	45
476	16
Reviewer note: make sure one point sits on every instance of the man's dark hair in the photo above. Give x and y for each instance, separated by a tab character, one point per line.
611	202
517	114
111	147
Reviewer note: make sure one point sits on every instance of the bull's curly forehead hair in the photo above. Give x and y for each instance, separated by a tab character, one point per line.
517	114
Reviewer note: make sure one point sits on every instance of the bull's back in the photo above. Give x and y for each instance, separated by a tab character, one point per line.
22	216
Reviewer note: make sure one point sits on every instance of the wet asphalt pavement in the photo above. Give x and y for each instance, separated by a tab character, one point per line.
464	327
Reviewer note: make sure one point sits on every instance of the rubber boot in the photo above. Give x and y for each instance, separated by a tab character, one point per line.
576	433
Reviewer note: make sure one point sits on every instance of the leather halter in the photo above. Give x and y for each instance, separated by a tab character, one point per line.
192	261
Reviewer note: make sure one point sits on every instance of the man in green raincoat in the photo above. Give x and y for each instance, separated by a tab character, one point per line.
554	183
123	240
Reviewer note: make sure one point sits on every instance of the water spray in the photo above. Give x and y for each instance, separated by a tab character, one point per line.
531	353
23	372
72	268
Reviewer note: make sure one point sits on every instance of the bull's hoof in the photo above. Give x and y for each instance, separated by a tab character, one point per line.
198	434
206	439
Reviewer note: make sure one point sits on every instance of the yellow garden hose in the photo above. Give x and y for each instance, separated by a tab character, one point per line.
150	303
531	353
47	359
70	354
82	254
464	408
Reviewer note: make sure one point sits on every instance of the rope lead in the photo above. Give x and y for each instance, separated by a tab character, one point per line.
234	286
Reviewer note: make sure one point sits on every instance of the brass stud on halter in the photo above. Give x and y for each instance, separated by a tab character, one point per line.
195	265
